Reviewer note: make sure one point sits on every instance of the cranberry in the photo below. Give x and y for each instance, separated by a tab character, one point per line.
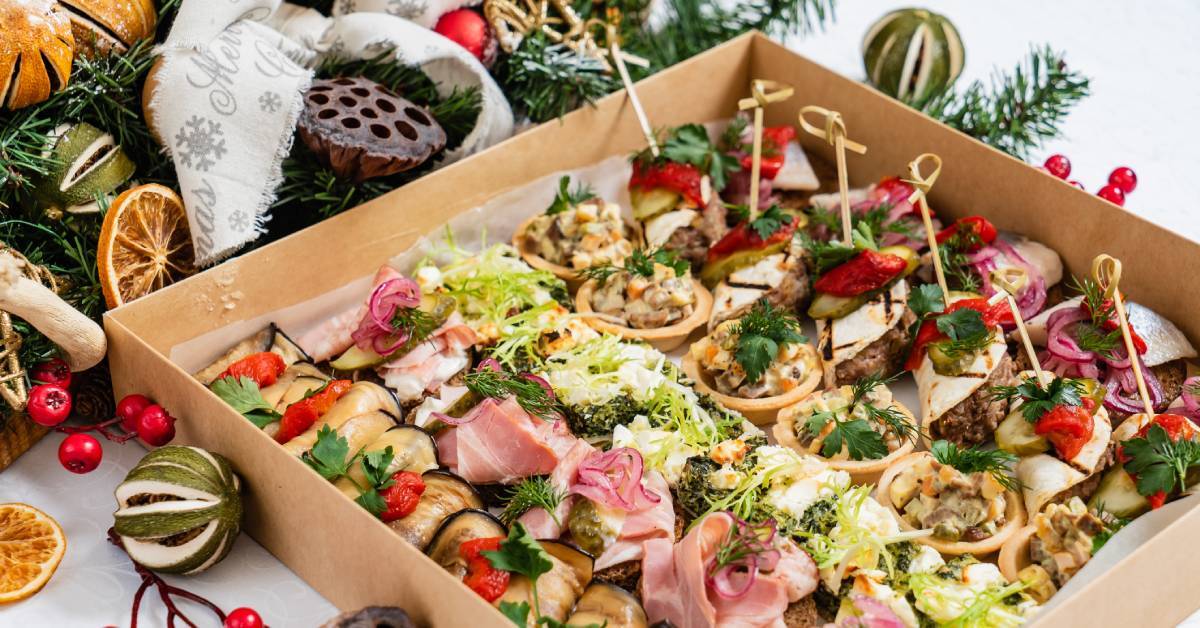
155	426
49	404
243	617
54	371
1112	194
1059	166
129	408
80	453
1124	178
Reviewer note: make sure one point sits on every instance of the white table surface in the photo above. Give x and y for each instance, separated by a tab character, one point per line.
1142	114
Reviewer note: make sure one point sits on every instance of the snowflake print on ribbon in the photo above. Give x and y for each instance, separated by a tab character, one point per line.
270	102
407	9
199	143
239	220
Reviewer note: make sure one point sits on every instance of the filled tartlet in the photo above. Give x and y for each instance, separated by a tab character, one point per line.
577	230
756	364
964	496
652	297
860	429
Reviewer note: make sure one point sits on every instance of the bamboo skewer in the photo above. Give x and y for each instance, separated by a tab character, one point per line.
762	93
619	58
1106	270
921	185
1008	282
835	133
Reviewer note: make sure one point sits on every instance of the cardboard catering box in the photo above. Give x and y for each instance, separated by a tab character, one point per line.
354	560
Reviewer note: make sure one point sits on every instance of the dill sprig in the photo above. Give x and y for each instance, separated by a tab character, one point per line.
975	459
891	416
640	262
534	492
566	198
529	394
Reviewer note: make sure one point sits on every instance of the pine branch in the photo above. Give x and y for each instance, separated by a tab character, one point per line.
1015	112
545	80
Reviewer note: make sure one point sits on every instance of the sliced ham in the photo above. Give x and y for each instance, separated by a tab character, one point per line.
654	522
430	363
499	443
332	337
539	522
674	589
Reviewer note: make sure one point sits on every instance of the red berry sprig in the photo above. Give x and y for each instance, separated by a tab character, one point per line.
80	453
244	617
137	415
1121	181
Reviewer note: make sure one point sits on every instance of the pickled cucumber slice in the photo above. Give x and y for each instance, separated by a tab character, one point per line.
946	364
650	203
906	254
830	306
1016	435
716	271
1118	495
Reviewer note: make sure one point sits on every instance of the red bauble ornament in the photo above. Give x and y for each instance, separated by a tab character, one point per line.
49	404
129	408
243	617
80	453
55	371
155	426
468	29
1059	166
1124	178
1112	194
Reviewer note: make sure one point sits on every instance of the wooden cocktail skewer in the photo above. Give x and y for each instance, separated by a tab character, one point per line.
921	185
619	58
1106	271
1008	282
762	93
835	133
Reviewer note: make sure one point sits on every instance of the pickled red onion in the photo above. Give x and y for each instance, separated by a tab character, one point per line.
614	478
747	550
375	331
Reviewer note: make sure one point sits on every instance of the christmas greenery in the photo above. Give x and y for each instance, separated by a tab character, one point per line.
1015	112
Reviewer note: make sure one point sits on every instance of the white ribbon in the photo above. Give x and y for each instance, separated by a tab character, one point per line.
231	86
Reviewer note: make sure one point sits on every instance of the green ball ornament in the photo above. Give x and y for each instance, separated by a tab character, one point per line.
88	164
912	55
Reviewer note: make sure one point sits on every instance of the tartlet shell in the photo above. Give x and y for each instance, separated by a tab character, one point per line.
569	275
761	411
1014	554
1014	514
663	338
861	471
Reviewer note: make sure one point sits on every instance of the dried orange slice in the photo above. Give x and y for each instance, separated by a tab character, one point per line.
145	244
31	546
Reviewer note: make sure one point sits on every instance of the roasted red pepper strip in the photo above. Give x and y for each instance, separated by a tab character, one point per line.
743	238
993	315
490	583
1068	428
264	368
402	496
304	413
774	150
980	225
867	271
683	179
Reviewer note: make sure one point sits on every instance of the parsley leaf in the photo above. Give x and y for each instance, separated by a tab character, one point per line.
245	397
926	299
1036	400
977	460
962	324
330	456
1159	463
530	394
827	255
517	613
521	554
534	492
862	442
375	467
566	198
372	501
766	223
689	144
761	332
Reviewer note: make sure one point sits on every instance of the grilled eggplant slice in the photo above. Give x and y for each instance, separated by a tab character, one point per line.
363	398
372	617
445	494
558	589
269	338
462	526
604	604
413	449
297	381
287	348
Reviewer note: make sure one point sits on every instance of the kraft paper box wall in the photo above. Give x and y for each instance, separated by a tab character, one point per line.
355	560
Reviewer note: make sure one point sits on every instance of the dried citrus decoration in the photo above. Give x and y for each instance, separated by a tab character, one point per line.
145	244
104	25
31	546
36	50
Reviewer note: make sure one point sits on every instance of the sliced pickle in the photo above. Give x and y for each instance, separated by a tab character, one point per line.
1094	390
1118	495
650	203
716	270
906	254
946	364
829	306
1015	435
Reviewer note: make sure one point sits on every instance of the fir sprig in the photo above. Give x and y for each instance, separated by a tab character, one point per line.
1015	112
545	80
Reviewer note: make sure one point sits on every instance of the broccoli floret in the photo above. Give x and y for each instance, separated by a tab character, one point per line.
694	492
598	421
819	518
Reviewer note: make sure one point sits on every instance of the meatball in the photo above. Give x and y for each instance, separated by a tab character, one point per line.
975	418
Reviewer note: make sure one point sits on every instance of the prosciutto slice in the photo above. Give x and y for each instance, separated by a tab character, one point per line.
332	337
501	443
654	522
430	363
674	589
539	522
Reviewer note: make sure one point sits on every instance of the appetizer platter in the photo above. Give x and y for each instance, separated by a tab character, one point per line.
712	384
